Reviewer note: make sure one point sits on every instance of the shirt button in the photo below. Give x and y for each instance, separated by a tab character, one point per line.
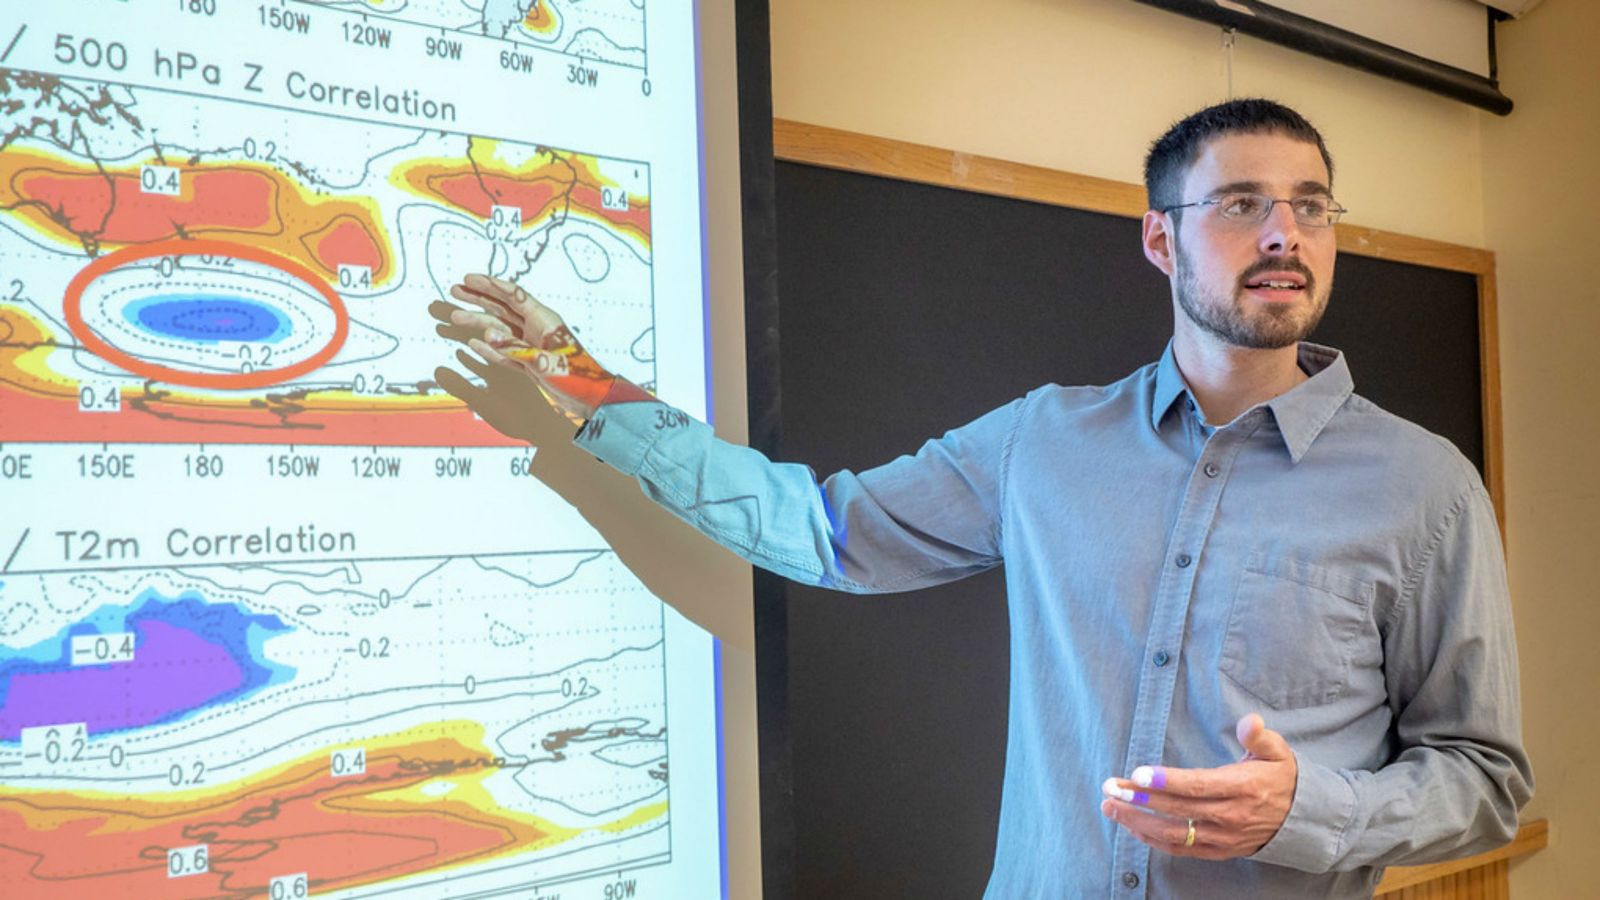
1183	560
1161	658
1213	470
1130	880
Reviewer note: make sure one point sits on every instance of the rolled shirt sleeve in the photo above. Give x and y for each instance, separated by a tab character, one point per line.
919	520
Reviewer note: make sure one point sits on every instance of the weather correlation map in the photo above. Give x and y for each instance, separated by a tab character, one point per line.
261	634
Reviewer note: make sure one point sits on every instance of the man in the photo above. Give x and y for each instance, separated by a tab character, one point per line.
1225	538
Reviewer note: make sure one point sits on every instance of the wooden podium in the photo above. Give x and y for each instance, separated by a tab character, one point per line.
1486	876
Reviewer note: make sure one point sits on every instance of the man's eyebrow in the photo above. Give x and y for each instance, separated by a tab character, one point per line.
1301	188
1238	187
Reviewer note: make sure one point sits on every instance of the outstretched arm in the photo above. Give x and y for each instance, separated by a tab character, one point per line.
917	521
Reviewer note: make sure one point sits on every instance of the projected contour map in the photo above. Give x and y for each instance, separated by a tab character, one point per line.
279	616
352	721
218	271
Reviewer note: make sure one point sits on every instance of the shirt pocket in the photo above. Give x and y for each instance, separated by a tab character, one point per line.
1292	631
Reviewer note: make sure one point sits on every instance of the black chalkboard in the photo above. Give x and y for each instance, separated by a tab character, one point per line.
905	310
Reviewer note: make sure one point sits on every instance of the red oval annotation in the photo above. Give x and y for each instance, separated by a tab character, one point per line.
73	308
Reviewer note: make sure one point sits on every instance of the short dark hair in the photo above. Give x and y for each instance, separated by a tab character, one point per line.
1174	152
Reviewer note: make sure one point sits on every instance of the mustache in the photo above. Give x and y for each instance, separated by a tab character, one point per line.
1264	265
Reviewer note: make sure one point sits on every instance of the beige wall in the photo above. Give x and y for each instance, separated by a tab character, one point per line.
1541	189
1084	85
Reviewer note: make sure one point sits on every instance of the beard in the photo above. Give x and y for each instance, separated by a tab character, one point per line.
1226	318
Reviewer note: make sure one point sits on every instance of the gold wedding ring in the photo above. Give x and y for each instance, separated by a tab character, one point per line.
1188	839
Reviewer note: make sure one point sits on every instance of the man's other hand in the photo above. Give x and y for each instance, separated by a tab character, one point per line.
1235	809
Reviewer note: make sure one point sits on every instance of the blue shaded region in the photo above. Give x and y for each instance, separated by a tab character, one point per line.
233	639
208	318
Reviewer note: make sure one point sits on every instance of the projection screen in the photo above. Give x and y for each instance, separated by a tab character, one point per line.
280	614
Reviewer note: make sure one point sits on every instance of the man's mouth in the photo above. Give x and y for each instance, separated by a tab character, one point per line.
1277	286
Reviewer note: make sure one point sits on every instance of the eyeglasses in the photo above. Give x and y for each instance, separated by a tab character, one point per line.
1312	211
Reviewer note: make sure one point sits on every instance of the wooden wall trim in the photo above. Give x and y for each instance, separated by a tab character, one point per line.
1534	835
833	148
1493	424
1415	250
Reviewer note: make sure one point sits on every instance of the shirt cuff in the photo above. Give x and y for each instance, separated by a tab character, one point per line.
619	434
1311	835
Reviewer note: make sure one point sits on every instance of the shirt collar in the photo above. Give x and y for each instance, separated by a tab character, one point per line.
1169	387
1301	412
1305	410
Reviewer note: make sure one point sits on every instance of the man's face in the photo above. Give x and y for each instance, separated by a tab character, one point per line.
1263	285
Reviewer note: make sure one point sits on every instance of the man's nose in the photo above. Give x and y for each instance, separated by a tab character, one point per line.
1280	233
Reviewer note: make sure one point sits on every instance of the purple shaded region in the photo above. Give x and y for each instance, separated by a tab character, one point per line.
126	695
188	655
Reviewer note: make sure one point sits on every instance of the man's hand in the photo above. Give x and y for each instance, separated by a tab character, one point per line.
1236	809
515	330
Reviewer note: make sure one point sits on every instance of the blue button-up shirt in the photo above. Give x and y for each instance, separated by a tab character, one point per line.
1317	560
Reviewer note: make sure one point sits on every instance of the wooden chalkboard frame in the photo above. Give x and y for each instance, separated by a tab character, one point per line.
833	148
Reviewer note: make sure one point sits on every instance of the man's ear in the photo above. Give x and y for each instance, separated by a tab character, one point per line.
1158	241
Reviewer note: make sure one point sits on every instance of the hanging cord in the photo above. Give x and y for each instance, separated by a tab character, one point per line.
1228	35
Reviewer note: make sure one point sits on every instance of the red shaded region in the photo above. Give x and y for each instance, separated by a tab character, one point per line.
115	210
161	419
345	241
636	216
478	195
342	832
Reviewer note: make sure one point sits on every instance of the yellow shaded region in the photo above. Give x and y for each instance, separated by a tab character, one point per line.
638	817
455	746
452	751
542	19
